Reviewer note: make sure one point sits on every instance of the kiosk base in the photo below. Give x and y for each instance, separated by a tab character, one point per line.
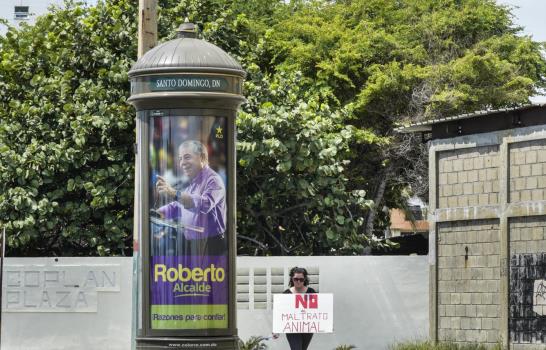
188	343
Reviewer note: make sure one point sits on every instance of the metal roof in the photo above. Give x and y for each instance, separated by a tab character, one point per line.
426	126
186	54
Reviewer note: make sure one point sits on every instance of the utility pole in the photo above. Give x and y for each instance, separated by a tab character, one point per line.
147	39
147	25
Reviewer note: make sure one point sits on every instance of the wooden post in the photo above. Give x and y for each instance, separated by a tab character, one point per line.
147	25
147	39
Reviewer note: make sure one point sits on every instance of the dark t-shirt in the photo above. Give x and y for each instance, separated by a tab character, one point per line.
309	291
299	340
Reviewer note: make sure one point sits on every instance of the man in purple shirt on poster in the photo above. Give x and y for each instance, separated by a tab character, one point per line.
201	206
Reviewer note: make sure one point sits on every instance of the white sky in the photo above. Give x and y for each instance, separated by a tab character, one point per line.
530	14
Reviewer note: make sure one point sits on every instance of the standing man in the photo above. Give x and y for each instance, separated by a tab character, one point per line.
201	206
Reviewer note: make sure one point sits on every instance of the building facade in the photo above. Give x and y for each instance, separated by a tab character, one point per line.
412	220
487	215
16	12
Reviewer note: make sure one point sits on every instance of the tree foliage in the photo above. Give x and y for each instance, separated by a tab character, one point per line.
394	62
66	132
292	170
328	81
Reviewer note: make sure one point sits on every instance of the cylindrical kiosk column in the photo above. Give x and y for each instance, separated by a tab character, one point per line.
186	93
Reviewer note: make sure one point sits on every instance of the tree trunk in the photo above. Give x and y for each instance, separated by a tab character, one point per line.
377	201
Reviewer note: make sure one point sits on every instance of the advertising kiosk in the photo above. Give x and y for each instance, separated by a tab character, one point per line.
186	93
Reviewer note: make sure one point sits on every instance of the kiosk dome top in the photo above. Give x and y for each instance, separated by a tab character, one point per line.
186	53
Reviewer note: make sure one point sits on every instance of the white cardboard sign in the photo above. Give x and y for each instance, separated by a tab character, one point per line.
303	313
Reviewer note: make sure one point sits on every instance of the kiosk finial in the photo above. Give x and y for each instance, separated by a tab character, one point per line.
187	30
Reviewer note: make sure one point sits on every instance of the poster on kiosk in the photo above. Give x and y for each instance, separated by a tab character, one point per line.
188	243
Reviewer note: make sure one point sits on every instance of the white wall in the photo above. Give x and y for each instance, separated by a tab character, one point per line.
109	327
377	300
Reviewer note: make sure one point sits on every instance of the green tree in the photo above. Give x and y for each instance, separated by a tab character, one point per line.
391	62
66	136
66	132
328	81
292	173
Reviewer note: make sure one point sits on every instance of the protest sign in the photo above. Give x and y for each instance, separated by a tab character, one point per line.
303	313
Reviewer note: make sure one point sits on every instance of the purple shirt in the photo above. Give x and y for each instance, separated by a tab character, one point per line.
207	218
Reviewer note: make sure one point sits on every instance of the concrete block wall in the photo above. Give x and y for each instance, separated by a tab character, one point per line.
487	213
468	177
528	235
468	281
528	171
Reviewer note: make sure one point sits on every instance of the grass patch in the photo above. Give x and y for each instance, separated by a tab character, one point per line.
442	346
